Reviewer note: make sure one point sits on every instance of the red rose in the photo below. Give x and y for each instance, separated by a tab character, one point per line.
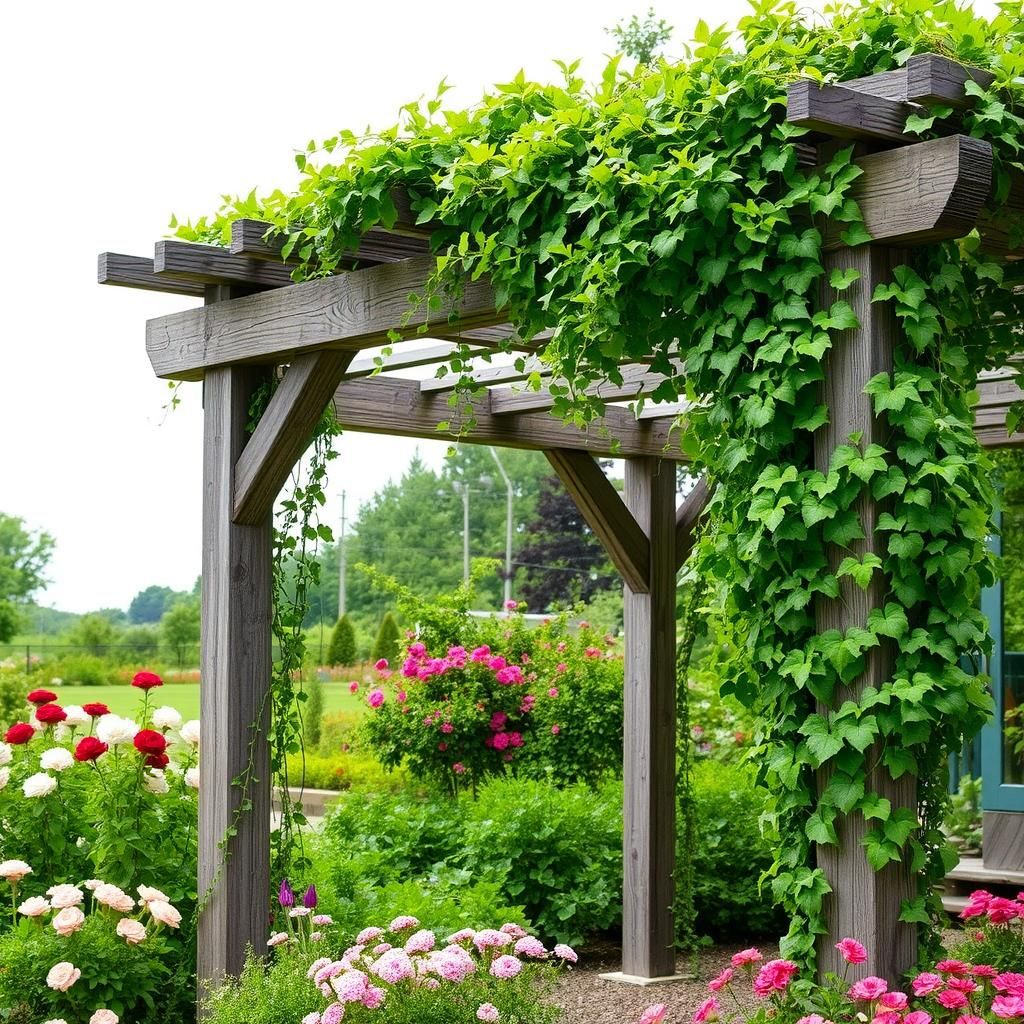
147	680
149	742
157	761
20	732
50	714
41	697
89	748
96	710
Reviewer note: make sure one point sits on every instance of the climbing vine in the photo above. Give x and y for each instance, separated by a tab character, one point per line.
670	213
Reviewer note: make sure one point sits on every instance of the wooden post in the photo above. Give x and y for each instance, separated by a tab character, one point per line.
649	844
864	904
234	876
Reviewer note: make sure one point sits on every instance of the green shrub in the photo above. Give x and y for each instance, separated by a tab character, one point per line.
343	643
338	731
85	670
557	851
387	641
313	713
276	994
14	686
731	854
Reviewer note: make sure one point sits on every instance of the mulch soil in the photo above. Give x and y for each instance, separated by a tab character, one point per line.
587	999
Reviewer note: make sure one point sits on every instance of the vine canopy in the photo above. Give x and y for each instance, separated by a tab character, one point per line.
669	213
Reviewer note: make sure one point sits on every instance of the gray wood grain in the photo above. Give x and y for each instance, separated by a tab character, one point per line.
926	192
350	311
606	514
284	431
637	379
864	904
387	405
115	268
649	839
927	78
210	264
688	519
236	665
996	393
1004	840
376	246
844	113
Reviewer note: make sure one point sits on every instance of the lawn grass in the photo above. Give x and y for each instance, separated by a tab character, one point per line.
184	698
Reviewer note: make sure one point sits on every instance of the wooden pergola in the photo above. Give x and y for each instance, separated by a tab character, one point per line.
255	320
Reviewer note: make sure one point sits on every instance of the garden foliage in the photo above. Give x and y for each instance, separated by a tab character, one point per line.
664	214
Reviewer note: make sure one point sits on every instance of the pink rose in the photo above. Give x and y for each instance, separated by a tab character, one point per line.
163	912
707	1011
717	984
1008	1007
917	1017
852	951
746	956
894	1001
1010	983
774	976
953	1000
868	990
653	1014
926	984
62	976
376	698
113	897
68	921
104	1017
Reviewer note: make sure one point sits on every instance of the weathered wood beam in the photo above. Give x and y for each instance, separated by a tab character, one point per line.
926	78
376	246
649	838
845	113
606	514
928	192
114	268
387	405
688	518
406	358
665	411
210	264
234	848
351	311
284	431
484	375
637	379
863	902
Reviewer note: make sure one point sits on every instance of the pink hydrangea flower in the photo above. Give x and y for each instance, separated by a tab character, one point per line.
813	1018
490	938
333	1014
487	1012
373	997
401	923
514	930
350	986
852	951
394	966
530	946
868	989
422	941
465	935
367	935
553	691
381	948
566	953
505	966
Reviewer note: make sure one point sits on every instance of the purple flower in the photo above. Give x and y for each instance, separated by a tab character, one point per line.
285	896
309	897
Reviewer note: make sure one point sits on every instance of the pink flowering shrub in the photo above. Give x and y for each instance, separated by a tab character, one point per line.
503	698
993	931
402	973
953	992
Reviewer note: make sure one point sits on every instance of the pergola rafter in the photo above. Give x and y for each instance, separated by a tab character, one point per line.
255	320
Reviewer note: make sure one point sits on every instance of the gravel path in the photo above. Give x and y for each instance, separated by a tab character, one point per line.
587	999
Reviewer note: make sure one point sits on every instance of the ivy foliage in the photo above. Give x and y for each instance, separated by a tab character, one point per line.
667	213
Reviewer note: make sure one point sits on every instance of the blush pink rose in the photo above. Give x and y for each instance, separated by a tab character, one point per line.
163	912
62	976
133	932
653	1014
68	921
104	1017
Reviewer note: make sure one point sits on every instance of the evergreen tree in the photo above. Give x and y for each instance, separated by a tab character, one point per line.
343	643
388	637
312	714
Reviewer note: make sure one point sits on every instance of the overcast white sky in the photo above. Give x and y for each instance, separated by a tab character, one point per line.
117	114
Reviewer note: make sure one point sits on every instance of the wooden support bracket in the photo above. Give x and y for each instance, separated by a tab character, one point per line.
606	514
284	430
688	517
927	78
209	264
844	113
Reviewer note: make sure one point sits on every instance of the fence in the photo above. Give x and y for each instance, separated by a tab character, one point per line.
35	656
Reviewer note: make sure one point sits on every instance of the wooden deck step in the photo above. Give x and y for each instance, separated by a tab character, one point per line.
953	904
972	869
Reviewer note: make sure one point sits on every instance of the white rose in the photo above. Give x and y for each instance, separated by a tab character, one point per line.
189	732
76	716
39	784
131	931
147	894
166	718
34	906
114	730
163	912
61	732
68	921
5	777
55	1020
62	896
155	782
14	870
192	778
56	759
6	754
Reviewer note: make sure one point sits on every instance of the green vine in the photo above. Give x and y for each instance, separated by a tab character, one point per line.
666	214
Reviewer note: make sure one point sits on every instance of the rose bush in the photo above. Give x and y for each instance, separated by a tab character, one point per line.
954	991
544	701
993	930
86	795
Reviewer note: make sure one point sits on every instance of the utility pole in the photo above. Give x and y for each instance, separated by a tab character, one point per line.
341	561
465	531
508	525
